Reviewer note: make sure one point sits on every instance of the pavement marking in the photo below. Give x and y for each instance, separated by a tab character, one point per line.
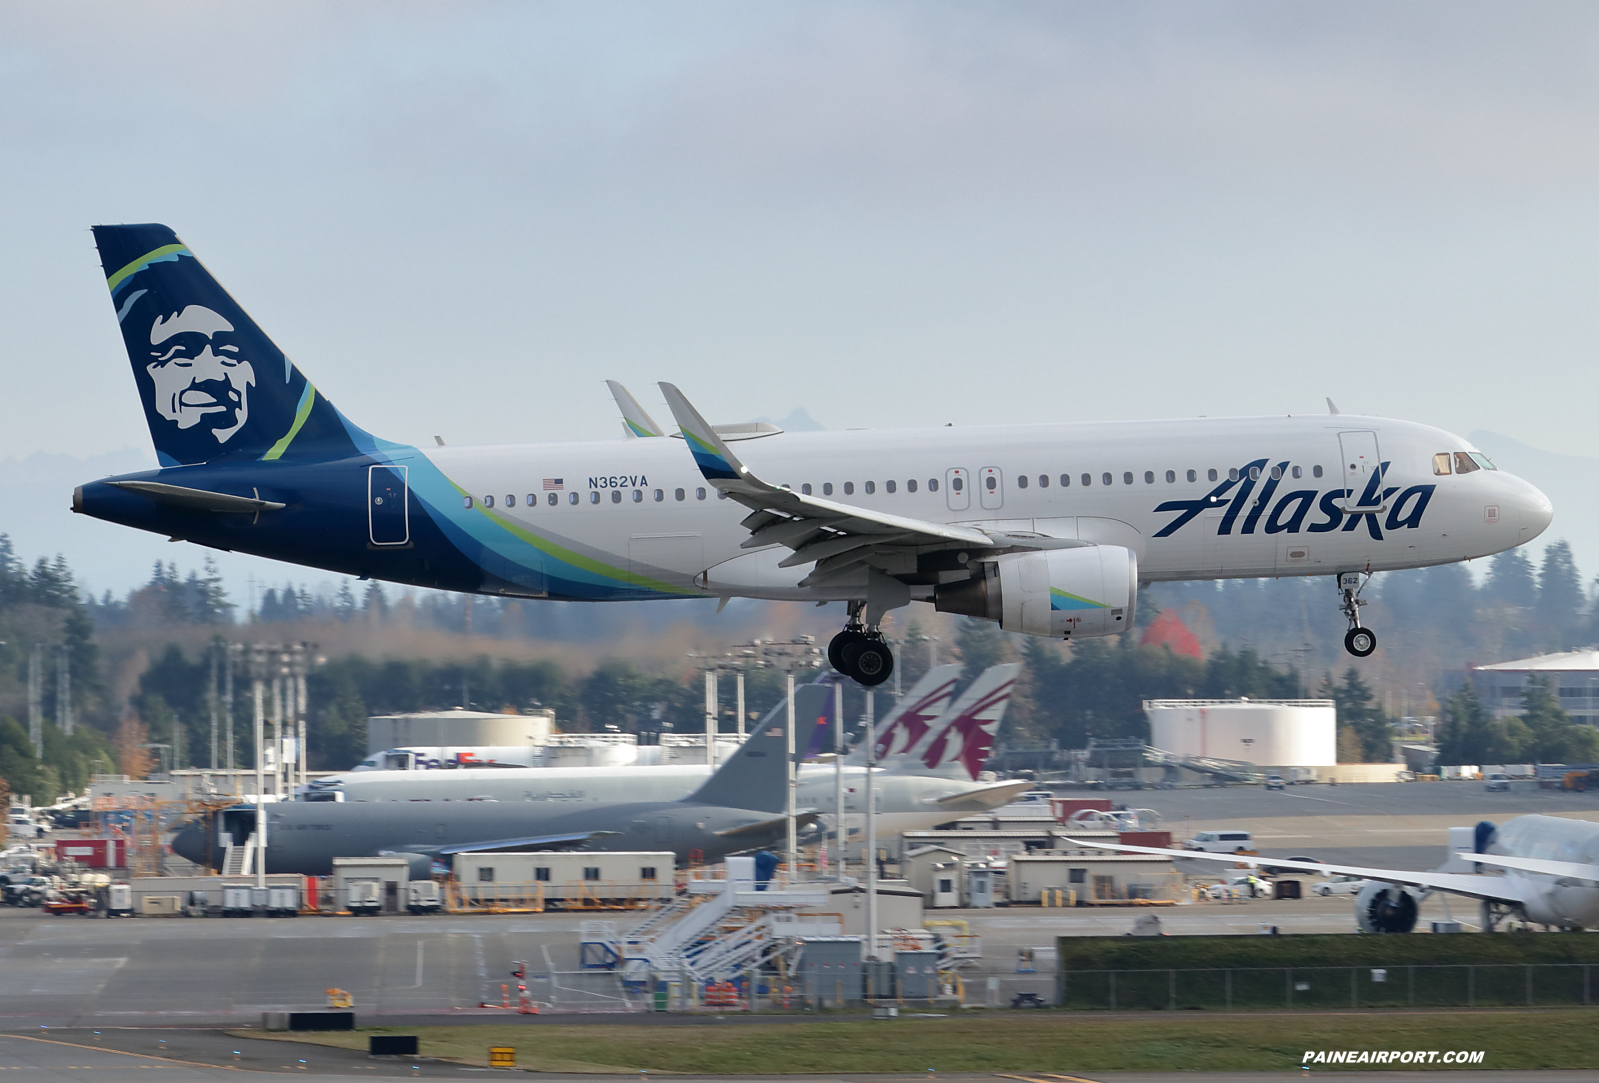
124	1053
1048	1077
418	984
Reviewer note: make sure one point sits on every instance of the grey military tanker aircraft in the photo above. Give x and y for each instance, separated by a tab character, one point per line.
740	807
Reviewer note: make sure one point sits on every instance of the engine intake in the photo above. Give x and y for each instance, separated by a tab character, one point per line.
1385	908
1084	592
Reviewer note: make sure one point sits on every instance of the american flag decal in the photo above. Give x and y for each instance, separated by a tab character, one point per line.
551	484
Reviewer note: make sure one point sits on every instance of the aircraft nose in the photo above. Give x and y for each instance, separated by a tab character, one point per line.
189	844
1533	511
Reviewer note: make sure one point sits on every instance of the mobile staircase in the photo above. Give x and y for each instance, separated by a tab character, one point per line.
720	928
238	859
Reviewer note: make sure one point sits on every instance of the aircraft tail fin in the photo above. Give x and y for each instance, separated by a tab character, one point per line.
636	421
963	745
214	386
904	729
756	776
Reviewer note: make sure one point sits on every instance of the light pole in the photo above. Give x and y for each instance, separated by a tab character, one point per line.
871	831
258	668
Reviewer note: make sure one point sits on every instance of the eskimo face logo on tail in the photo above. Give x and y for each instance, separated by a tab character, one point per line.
198	372
970	738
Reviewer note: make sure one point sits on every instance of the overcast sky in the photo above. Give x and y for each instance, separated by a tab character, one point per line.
460	218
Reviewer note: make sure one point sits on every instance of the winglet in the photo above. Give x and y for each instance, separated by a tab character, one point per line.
710	452
635	419
1332	407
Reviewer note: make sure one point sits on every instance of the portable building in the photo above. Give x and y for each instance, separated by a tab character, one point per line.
1088	879
569	879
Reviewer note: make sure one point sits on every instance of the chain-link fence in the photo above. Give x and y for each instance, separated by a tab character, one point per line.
1239	988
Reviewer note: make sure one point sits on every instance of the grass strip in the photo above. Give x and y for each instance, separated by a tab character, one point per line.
1034	1042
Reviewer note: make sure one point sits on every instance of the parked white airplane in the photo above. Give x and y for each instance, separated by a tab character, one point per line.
1550	875
934	780
1047	529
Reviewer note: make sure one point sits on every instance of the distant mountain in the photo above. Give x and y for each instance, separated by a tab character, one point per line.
798	420
1567	480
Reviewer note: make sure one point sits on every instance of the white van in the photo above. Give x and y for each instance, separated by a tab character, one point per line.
1221	842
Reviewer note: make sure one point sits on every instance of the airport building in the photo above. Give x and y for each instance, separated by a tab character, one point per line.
1264	732
1572	675
458	727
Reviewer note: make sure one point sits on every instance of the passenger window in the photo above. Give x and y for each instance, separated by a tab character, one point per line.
510	501
871	487
533	500
1149	477
1254	473
594	497
956	483
806	488
1107	479
849	488
1276	473
1043	481
1127	477
466	502
638	496
1021	481
932	484
1088	479
1315	471
910	486
1211	473
616	496
889	485
1065	481
1440	463
1171	477
1299	471
678	494
554	499
699	494
827	488
1464	464
488	501
571	498
1193	475
1232	473
660	495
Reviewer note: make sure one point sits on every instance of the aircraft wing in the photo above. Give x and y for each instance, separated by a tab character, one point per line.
1495	888
837	537
532	842
636	421
1574	870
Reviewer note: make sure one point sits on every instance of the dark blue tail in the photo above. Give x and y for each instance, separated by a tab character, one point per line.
214	386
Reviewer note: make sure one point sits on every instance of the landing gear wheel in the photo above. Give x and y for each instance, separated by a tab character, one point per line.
868	660
1360	642
835	648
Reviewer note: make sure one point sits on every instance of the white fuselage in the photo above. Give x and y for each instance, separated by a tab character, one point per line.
640	507
1561	901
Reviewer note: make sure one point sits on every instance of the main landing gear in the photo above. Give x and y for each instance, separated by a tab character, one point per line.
1359	642
860	653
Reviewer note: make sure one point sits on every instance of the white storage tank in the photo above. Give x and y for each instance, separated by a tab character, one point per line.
458	728
1264	732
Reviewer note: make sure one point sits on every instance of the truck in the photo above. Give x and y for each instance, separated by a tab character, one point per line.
119	900
363	896
1300	776
423	897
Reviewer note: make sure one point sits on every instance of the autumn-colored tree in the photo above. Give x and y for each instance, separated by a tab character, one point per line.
132	736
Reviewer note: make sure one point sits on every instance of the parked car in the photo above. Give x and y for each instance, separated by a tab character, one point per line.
1240	887
1341	885
1275	782
1497	782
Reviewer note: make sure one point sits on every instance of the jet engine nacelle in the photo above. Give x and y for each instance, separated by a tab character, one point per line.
1385	908
1087	591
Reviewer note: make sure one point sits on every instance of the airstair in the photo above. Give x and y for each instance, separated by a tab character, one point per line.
722	928
238	859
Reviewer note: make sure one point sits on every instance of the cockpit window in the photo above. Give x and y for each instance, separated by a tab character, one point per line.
1440	463
1464	463
1482	460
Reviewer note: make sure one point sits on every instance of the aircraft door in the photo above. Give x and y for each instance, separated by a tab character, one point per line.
388	505
1361	461
991	487
957	489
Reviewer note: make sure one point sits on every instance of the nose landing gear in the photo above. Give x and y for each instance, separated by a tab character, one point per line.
859	652
1360	641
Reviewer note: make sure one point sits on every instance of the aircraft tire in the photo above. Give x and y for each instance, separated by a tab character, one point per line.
868	662
1360	642
836	646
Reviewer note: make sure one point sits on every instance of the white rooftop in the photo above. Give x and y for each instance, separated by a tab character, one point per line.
1564	662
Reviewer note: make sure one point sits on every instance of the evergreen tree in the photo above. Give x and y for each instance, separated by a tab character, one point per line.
1559	595
1510	581
1356	712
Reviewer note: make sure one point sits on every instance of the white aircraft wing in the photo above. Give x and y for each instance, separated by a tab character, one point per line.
1571	869
1496	888
837	537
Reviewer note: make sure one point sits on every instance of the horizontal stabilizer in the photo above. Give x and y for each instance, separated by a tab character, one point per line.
766	827
532	842
986	798
179	496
